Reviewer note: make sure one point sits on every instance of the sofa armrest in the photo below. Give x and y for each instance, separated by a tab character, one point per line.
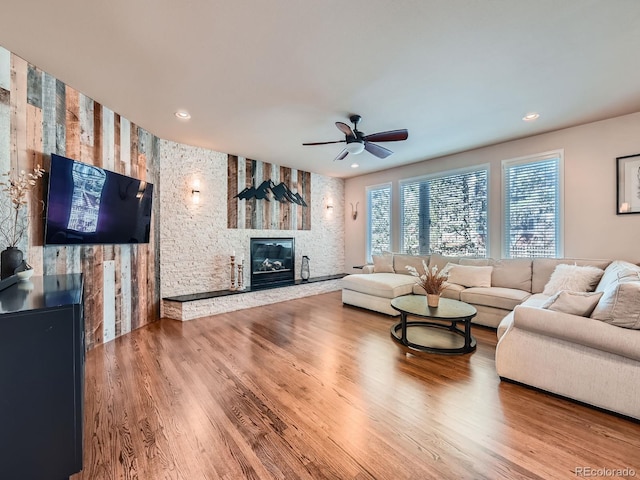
581	330
367	269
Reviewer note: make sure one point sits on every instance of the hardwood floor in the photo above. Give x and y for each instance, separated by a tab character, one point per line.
311	389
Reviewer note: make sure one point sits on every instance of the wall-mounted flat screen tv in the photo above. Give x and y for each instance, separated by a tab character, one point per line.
90	205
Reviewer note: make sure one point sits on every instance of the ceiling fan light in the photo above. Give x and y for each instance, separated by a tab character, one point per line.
354	148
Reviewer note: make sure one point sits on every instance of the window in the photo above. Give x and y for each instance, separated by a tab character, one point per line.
445	214
378	219
532	206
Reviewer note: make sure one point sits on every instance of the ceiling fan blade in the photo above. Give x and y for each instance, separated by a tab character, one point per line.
344	128
390	136
324	143
377	150
342	155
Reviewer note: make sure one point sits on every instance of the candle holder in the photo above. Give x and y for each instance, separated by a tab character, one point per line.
240	277
304	271
233	273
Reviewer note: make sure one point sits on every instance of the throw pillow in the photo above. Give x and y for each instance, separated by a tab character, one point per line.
619	305
447	267
575	303
575	278
382	263
441	261
470	276
400	263
618	271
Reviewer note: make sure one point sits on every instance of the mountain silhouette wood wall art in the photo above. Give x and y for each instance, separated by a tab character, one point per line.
267	196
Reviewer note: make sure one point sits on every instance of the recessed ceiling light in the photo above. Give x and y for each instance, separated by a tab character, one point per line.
183	115
530	117
354	165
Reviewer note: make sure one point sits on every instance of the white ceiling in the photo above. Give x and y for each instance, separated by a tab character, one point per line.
261	77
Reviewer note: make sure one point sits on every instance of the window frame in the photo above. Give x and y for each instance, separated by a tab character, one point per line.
442	174
531	159
368	190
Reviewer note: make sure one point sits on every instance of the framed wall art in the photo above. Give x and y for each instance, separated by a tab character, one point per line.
628	185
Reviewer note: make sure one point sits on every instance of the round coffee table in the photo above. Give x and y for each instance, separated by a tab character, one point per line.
439	336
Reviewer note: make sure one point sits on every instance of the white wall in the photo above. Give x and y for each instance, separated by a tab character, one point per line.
591	227
195	243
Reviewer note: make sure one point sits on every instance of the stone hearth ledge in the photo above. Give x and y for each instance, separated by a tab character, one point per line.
214	303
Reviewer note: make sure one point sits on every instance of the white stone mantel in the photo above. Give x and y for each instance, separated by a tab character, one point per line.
189	310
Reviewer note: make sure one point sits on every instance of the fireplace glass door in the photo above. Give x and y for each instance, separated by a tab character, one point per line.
272	262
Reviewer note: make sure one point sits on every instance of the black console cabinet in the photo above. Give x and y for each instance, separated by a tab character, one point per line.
41	378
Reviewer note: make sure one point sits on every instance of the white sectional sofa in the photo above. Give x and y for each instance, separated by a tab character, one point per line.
589	356
512	282
593	360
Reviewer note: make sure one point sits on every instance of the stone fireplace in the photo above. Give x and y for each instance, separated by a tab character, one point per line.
272	262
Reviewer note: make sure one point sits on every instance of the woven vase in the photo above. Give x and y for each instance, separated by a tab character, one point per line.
433	299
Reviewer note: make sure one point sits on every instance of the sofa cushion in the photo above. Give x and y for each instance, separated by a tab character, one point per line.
535	300
542	268
400	263
488	316
575	278
498	297
370	302
470	276
620	305
618	271
576	303
441	261
387	285
451	290
512	273
476	262
382	263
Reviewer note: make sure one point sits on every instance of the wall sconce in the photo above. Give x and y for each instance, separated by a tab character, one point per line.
354	210
195	192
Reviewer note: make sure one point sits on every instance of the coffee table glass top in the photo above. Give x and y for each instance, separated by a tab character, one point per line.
447	309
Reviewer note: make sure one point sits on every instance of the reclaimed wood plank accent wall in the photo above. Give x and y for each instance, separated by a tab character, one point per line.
266	214
40	115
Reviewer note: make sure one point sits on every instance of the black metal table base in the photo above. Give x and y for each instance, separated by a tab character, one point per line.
399	334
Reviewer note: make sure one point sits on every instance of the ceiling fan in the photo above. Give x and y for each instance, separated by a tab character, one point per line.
357	141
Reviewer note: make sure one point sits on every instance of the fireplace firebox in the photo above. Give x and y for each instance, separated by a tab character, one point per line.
272	262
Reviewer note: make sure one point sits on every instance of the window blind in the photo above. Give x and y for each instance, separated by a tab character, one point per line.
445	215
378	220
531	208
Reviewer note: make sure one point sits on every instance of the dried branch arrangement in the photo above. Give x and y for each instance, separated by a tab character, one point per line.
14	223
432	280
